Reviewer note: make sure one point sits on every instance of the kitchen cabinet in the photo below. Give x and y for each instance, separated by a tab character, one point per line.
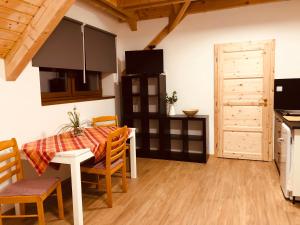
295	164
287	152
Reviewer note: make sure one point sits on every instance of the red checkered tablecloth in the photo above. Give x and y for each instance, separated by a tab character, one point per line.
39	153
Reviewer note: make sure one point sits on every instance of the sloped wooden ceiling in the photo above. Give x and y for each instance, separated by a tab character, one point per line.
24	27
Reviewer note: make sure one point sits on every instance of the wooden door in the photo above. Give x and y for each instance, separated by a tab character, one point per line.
244	80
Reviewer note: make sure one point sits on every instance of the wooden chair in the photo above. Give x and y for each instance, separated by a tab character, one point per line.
115	160
24	190
105	121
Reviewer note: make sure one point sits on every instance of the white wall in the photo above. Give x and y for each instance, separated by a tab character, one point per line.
189	63
21	113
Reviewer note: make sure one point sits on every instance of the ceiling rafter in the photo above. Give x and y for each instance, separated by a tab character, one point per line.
180	15
131	11
152	4
111	7
173	22
113	2
211	5
116	8
108	10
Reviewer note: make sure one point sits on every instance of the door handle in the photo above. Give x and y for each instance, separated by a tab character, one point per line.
263	102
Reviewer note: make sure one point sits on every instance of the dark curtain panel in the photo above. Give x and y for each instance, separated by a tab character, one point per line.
100	50
63	49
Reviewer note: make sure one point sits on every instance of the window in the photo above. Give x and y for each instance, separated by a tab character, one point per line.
63	86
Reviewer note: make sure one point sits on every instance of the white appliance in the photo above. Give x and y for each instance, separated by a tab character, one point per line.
285	165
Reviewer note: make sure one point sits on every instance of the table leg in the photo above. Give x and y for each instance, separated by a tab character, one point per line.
76	193
133	156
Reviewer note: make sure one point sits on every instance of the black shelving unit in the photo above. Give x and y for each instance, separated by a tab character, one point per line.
144	107
191	133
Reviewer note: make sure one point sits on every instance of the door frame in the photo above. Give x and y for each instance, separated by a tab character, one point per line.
269	131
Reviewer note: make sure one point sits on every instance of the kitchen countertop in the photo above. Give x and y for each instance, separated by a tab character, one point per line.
290	124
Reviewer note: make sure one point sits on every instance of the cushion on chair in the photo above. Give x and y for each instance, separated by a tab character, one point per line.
28	187
101	164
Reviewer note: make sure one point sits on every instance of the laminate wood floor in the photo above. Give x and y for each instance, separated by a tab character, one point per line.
232	192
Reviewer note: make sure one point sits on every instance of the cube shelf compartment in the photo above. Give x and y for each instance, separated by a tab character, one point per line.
192	132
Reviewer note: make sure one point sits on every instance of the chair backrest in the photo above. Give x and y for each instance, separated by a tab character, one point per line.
105	121
116	145
10	161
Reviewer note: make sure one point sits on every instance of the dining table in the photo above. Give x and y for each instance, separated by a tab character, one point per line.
74	158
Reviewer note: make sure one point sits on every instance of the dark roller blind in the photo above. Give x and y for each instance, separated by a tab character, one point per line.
63	49
100	50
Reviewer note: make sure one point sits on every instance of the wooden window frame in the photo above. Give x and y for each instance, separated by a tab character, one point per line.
71	95
85	93
46	95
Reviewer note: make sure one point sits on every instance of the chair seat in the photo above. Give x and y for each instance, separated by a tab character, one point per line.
29	187
101	164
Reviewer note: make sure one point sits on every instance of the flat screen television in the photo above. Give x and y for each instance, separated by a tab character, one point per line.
144	62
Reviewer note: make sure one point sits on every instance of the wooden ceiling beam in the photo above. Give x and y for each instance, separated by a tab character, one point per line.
115	8
199	6
154	13
211	5
132	23
180	15
41	26
173	22
103	7
175	9
117	12
146	4
113	2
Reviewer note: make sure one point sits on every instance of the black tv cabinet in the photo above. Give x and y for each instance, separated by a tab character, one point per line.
159	135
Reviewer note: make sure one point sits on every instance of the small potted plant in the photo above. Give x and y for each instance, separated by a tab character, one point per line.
171	100
74	125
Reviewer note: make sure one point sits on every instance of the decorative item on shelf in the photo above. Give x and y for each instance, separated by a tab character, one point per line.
75	126
190	112
171	101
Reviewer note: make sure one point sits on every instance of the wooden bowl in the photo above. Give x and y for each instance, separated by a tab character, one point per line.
190	112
